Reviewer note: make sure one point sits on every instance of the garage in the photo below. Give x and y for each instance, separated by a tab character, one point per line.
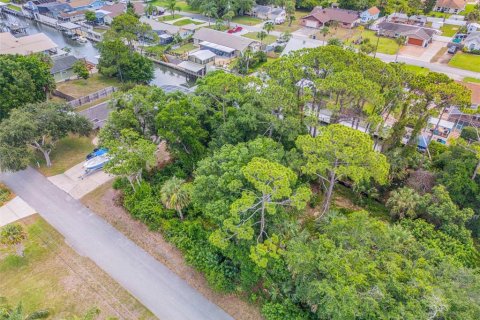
311	23
415	42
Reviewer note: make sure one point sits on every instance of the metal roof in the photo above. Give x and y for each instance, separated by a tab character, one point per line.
191	66
223	39
203	54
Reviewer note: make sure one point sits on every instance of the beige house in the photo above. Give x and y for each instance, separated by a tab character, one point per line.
450	6
35	43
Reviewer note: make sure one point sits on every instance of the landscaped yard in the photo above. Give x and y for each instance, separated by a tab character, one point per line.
184	48
246	20
449	30
184	22
80	87
438	14
182	5
417	70
169	17
52	276
67	153
385	45
466	61
254	35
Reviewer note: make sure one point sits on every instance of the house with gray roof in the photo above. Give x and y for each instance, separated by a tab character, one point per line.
223	44
277	15
62	68
414	35
472	41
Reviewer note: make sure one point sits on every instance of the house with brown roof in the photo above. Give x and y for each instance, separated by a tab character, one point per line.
320	17
450	6
414	35
371	14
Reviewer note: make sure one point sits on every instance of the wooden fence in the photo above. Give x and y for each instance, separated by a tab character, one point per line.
92	97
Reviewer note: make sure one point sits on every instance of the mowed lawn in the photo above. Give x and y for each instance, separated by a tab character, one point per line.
184	22
68	152
295	25
182	5
52	276
246	20
169	17
254	35
466	61
80	87
449	30
416	69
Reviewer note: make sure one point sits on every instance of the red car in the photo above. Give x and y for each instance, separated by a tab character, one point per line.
235	30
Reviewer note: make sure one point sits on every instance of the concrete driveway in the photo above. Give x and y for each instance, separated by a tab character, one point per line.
14	210
73	182
420	53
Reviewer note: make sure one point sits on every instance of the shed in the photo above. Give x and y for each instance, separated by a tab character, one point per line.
192	67
202	56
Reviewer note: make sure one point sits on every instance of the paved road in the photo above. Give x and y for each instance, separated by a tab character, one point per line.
153	284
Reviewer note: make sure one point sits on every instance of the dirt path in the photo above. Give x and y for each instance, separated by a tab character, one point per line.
102	202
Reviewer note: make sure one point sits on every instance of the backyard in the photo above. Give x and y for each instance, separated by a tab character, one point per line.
254	35
80	87
184	48
449	30
52	276
466	61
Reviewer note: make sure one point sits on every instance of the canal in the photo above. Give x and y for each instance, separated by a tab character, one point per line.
163	75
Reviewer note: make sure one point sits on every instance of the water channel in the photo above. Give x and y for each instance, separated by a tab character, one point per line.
163	75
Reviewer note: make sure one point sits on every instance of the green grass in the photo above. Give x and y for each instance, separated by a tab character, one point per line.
385	45
184	22
184	48
67	153
80	87
449	30
347	200
169	17
417	70
13	7
5	194
470	79
438	14
5	1
284	27
466	61
246	20
468	8
254	35
182	5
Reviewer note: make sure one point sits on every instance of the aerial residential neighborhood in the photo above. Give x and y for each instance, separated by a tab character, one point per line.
258	160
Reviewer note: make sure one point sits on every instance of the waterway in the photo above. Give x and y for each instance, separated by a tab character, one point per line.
163	75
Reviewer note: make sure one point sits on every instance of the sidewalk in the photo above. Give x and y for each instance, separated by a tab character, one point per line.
14	210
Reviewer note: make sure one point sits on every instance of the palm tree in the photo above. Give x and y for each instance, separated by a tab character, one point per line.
403	203
400	41
150	9
324	31
17	313
228	16
172	6
261	35
209	10
13	235
268	27
175	195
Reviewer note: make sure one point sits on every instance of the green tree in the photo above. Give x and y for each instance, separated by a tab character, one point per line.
325	31
130	155
268	27
24	79
261	35
18	313
171	6
403	203
209	10
80	69
37	127
400	41
290	10
12	235
90	16
228	16
175	195
331	156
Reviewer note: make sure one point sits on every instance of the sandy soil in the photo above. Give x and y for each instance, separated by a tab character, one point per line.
102	201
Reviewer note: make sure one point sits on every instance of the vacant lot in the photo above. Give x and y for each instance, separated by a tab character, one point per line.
184	48
254	35
184	22
449	30
182	5
295	25
466	61
246	20
81	87
168	17
52	276
68	152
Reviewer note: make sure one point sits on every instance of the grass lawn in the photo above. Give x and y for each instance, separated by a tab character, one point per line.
254	35
184	22
246	20
169	17
470	79
13	7
449	30
91	104
438	14
182	5
67	153
52	276
417	70
468	8
184	48
284	27
5	194
80	87
5	1
466	61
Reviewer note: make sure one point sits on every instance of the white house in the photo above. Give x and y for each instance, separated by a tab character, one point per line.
472	42
472	27
450	6
277	15
371	14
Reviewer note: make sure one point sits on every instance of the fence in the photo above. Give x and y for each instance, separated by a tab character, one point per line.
92	97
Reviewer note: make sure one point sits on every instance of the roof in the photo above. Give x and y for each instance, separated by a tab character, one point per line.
160	26
407	30
326	15
223	39
473	36
139	8
217	46
442	123
191	66
77	3
452	4
277	11
72	14
404	16
38	42
69	25
114	9
63	63
261	9
373	11
203	54
296	44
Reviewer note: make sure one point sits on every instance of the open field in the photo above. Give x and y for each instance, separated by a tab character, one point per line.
184	22
52	276
466	61
254	35
68	152
449	30
81	87
246	20
169	17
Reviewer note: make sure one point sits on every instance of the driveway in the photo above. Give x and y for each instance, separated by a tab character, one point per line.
160	290
421	53
14	210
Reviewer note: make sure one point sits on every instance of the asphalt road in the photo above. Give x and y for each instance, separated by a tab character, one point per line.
153	284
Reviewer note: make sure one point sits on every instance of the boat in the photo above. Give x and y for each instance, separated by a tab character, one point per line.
82	39
96	163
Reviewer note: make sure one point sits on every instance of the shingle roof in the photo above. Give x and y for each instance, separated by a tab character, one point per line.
34	43
373	11
262	9
63	63
453	4
473	36
325	15
115	9
160	26
407	30
223	38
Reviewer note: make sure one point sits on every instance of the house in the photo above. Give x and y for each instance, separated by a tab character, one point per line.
371	14
106	13
52	9
398	17
319	18
35	43
471	27
415	35
62	68
472	41
202	57
223	44
277	15
139	8
443	129
72	16
84	4
450	6
471	118
166	31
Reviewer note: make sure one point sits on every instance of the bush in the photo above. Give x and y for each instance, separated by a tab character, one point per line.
282	311
469	134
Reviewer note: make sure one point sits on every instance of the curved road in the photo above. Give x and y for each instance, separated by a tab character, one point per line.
154	285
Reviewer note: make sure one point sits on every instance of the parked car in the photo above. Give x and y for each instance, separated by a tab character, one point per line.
235	30
452	49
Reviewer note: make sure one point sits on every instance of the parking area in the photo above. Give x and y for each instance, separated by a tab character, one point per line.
421	53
